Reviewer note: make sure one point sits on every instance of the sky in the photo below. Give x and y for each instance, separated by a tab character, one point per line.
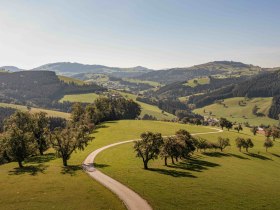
156	34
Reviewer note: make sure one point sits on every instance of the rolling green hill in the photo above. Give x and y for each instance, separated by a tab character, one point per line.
83	98
211	180
70	80
217	68
45	184
240	113
149	109
51	113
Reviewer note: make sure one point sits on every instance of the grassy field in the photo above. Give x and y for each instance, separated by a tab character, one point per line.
69	80
146	108
211	180
45	184
234	112
84	98
200	81
51	113
152	83
149	109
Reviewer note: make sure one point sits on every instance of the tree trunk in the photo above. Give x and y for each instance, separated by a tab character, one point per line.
165	161
221	149
64	161
239	149
172	160
20	164
146	165
41	151
176	159
246	149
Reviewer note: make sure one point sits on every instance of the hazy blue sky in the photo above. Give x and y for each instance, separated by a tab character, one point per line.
151	33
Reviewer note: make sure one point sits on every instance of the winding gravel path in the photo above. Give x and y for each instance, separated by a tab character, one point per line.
131	199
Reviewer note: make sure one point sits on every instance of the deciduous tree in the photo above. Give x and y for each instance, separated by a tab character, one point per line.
148	148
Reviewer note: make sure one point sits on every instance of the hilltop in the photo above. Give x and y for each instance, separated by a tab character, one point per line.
216	68
70	69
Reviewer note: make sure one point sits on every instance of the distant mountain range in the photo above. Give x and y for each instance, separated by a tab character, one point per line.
70	69
219	68
11	68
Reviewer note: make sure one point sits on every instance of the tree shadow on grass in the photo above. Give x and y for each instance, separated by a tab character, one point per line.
261	157
32	170
172	173
238	156
71	170
215	154
194	165
97	165
221	154
275	155
42	158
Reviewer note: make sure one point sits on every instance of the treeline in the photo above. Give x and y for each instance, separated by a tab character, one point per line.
26	134
274	111
182	146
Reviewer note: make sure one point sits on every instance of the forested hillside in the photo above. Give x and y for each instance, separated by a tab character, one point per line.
262	85
38	88
225	68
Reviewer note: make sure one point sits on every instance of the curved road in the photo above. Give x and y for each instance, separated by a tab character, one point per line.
131	199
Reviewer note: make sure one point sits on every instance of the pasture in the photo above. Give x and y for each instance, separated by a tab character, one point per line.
45	184
232	110
209	180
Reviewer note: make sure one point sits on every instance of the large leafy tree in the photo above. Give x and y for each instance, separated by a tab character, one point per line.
223	143
148	148
248	143
40	129
171	149
18	140
66	141
268	143
185	138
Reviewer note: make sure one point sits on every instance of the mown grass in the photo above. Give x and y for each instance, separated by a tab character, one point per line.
70	80
149	109
200	81
210	180
83	98
45	184
236	113
152	83
51	113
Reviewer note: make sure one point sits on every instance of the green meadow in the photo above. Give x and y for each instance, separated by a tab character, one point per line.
70	80
209	180
236	113
146	108
83	98
51	113
45	184
149	109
